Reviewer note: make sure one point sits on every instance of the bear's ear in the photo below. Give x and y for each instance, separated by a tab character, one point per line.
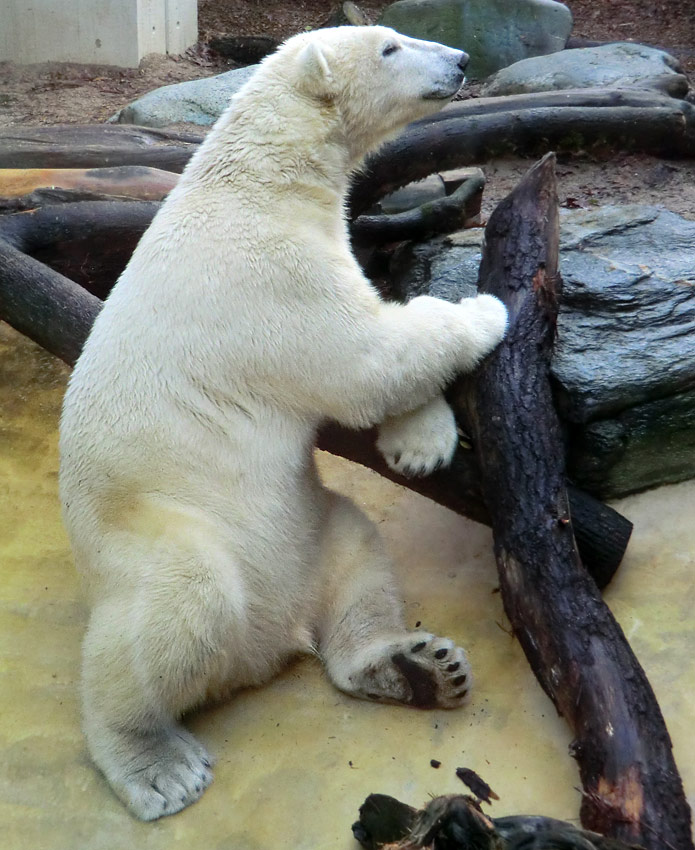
315	76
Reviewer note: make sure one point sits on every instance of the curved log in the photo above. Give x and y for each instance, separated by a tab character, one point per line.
443	215
89	242
632	790
466	137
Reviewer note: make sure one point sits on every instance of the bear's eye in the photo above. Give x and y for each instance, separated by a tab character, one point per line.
389	49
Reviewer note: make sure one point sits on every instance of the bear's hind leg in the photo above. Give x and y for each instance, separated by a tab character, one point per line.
149	655
363	641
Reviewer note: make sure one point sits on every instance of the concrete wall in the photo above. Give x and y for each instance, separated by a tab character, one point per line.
107	32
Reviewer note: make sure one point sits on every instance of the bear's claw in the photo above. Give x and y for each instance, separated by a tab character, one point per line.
421	670
419	442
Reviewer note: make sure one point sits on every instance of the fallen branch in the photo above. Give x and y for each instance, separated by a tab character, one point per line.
632	790
602	533
44	305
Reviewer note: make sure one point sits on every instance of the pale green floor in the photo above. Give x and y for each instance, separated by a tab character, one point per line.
296	758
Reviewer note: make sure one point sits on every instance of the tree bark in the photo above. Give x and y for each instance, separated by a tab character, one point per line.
632	790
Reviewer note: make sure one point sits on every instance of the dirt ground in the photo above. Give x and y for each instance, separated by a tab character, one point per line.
68	93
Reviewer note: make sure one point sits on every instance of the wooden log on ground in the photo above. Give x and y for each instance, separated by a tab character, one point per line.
631	786
602	533
95	146
45	306
567	98
57	314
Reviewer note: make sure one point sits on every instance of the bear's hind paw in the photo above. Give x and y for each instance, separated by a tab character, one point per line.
158	774
422	670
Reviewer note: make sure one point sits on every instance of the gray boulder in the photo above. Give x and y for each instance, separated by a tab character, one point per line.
621	65
495	33
194	102
624	362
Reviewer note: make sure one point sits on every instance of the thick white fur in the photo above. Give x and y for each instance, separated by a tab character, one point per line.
210	551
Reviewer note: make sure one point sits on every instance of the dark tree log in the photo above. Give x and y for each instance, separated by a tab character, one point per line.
602	533
57	314
579	654
44	305
89	242
443	215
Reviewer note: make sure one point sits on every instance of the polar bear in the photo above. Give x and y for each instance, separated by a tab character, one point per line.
210	551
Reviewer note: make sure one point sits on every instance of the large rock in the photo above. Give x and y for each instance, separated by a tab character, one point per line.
495	33
611	65
193	102
624	363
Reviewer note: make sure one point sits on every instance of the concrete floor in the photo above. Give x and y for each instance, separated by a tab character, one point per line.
297	758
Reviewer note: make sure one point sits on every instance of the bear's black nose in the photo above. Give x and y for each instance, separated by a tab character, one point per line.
463	61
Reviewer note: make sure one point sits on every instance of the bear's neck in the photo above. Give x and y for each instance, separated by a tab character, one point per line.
279	139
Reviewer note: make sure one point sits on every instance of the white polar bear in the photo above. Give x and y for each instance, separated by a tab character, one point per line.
211	552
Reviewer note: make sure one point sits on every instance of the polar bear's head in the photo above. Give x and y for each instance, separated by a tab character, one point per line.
377	79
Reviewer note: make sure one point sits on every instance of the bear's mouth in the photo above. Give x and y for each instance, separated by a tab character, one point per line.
442	95
446	93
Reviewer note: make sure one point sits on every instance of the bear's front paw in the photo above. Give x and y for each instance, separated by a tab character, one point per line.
421	441
491	321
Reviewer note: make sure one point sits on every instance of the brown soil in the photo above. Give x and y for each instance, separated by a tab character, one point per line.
67	93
